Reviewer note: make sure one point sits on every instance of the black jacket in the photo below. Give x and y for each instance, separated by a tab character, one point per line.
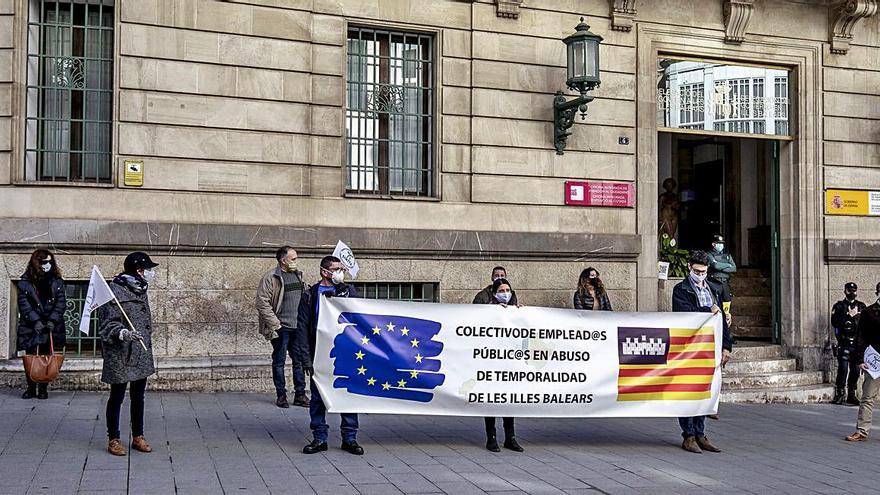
486	296
684	299
869	331
585	301
306	334
840	316
31	310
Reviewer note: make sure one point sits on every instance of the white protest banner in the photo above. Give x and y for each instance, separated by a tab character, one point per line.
872	361
487	360
98	294
343	252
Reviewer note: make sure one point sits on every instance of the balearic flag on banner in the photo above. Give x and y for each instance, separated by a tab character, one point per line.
665	363
99	293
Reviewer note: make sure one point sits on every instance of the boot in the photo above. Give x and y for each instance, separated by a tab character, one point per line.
690	444
31	391
851	398
140	443
510	437
705	444
115	447
839	396
492	444
300	400
42	390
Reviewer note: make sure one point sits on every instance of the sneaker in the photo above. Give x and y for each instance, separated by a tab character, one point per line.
281	401
300	400
353	448
315	447
115	447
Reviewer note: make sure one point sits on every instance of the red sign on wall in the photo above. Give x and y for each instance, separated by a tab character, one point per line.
616	194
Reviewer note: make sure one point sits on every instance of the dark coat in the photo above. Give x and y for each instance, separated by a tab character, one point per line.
721	265
840	316
486	296
31	310
684	299
869	332
126	361
306	334
585	301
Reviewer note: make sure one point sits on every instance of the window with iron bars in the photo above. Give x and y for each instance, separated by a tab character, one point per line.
389	115
68	126
78	343
399	291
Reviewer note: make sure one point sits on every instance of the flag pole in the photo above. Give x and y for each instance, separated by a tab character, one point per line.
130	324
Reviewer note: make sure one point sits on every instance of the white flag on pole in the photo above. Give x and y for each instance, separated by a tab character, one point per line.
344	253
99	293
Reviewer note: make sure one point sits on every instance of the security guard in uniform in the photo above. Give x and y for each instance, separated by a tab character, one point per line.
845	320
721	265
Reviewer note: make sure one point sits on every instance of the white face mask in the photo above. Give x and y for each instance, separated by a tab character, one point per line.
698	278
47	267
503	297
719	247
149	275
338	276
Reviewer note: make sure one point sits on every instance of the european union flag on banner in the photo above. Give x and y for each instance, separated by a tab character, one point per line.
387	356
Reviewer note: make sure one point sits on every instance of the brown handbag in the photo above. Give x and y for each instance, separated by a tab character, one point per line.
43	368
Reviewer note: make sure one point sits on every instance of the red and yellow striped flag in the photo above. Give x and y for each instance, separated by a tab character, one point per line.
661	364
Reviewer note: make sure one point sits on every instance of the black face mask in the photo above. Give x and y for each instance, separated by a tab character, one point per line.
851	296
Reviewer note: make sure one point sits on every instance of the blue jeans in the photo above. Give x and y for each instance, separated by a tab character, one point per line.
693	427
318	413
282	346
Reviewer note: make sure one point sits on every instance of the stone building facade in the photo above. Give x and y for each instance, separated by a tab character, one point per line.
238	115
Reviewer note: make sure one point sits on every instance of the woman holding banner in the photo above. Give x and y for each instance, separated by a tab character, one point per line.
502	293
125	330
590	293
41	306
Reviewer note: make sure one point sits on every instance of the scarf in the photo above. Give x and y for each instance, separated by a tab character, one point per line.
135	283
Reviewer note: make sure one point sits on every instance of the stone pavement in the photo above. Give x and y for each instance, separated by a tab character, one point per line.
242	443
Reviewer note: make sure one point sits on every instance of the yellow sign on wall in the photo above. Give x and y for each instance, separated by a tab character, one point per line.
850	202
134	172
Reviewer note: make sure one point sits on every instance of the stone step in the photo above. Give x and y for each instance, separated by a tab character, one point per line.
761	332
761	366
808	394
771	380
748	320
749	290
748	351
749	272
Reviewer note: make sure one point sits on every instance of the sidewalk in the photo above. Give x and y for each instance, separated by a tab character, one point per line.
242	443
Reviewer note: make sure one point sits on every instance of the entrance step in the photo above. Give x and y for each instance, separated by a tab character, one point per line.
748	351
751	332
808	394
771	380
750	305
741	287
761	366
749	320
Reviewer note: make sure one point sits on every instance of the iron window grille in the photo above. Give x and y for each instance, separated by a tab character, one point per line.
68	126
389	113
78	343
399	291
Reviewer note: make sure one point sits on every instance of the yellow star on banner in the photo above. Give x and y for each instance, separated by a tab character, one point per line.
404	331
371	381
418	358
414	342
386	386
414	374
359	355
390	326
401	384
377	330
365	340
362	370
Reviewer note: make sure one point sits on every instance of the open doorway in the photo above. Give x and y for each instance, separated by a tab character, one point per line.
719	185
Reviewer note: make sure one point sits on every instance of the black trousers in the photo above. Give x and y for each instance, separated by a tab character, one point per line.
508	426
845	366
114	404
37	349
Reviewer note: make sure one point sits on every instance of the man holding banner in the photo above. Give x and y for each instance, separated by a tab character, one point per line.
695	295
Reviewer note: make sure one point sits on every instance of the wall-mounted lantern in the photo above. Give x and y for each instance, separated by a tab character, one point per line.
582	55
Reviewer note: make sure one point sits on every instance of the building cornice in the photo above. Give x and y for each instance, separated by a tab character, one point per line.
844	17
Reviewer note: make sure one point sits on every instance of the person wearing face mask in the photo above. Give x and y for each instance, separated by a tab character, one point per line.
41	306
695	295
128	348
868	335
332	284
278	297
590	293
486	296
721	265
502	295
845	321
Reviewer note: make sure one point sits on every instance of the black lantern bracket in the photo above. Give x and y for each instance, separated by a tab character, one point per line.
582	55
